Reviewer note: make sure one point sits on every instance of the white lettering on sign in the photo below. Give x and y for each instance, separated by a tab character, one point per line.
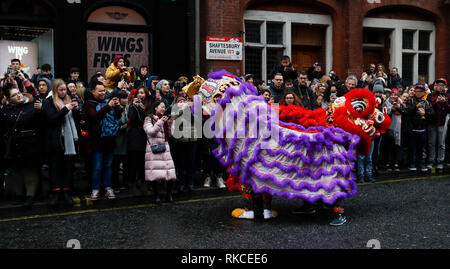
74	1
18	51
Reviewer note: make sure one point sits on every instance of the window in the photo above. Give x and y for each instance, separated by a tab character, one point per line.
424	60
412	47
407	67
274	33
273	58
408	40
253	61
424	40
268	36
253	32
264	46
416	56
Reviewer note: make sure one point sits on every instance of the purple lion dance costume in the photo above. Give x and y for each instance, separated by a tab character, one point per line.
266	156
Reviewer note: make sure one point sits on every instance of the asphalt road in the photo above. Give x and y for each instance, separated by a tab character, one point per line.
407	214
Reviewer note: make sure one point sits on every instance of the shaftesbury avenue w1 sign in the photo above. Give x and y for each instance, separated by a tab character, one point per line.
223	48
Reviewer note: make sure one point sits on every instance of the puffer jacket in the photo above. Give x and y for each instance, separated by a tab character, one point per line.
114	75
158	166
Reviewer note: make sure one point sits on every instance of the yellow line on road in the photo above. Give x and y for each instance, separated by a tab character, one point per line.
80	212
404	180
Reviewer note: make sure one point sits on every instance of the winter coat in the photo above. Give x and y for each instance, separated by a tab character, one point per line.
25	145
114	75
54	122
158	166
414	120
95	117
121	139
441	109
314	74
137	138
307	97
393	82
277	93
288	74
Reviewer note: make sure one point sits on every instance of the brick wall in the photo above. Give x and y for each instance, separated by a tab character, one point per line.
225	18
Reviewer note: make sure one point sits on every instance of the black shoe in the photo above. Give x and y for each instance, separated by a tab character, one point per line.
157	199
376	173
360	180
28	202
169	198
304	210
68	198
370	180
54	199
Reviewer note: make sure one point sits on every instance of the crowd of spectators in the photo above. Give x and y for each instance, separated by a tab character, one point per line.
117	128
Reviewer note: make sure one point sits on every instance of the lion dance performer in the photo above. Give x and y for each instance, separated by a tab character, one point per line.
290	152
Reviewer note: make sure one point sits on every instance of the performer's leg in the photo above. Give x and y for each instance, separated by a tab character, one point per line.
338	214
307	209
248	212
267	205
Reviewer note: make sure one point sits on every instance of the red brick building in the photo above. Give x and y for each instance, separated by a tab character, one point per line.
344	35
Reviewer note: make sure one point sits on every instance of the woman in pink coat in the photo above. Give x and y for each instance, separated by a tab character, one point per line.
159	165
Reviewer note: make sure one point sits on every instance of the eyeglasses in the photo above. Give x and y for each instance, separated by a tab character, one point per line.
42	85
289	97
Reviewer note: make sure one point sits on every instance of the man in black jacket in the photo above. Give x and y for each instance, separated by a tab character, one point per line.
315	72
19	120
419	112
394	79
285	68
277	88
304	92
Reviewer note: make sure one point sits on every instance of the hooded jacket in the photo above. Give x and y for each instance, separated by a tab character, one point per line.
114	75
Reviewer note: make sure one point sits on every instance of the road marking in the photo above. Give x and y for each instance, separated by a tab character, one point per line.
403	180
80	212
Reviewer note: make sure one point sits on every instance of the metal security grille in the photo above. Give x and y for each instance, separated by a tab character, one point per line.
275	33
273	59
253	61
252	32
408	68
424	40
423	66
408	40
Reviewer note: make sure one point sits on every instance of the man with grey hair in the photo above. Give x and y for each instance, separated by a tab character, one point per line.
166	93
350	84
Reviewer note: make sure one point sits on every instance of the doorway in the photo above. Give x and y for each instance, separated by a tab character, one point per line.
308	46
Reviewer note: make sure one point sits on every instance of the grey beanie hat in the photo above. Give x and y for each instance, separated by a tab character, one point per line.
378	88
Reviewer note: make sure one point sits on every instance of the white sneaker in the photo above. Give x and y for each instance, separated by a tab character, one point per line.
269	214
110	193
94	195
220	183
207	182
247	215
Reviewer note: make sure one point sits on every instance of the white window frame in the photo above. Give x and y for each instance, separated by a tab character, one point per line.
396	51
287	19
